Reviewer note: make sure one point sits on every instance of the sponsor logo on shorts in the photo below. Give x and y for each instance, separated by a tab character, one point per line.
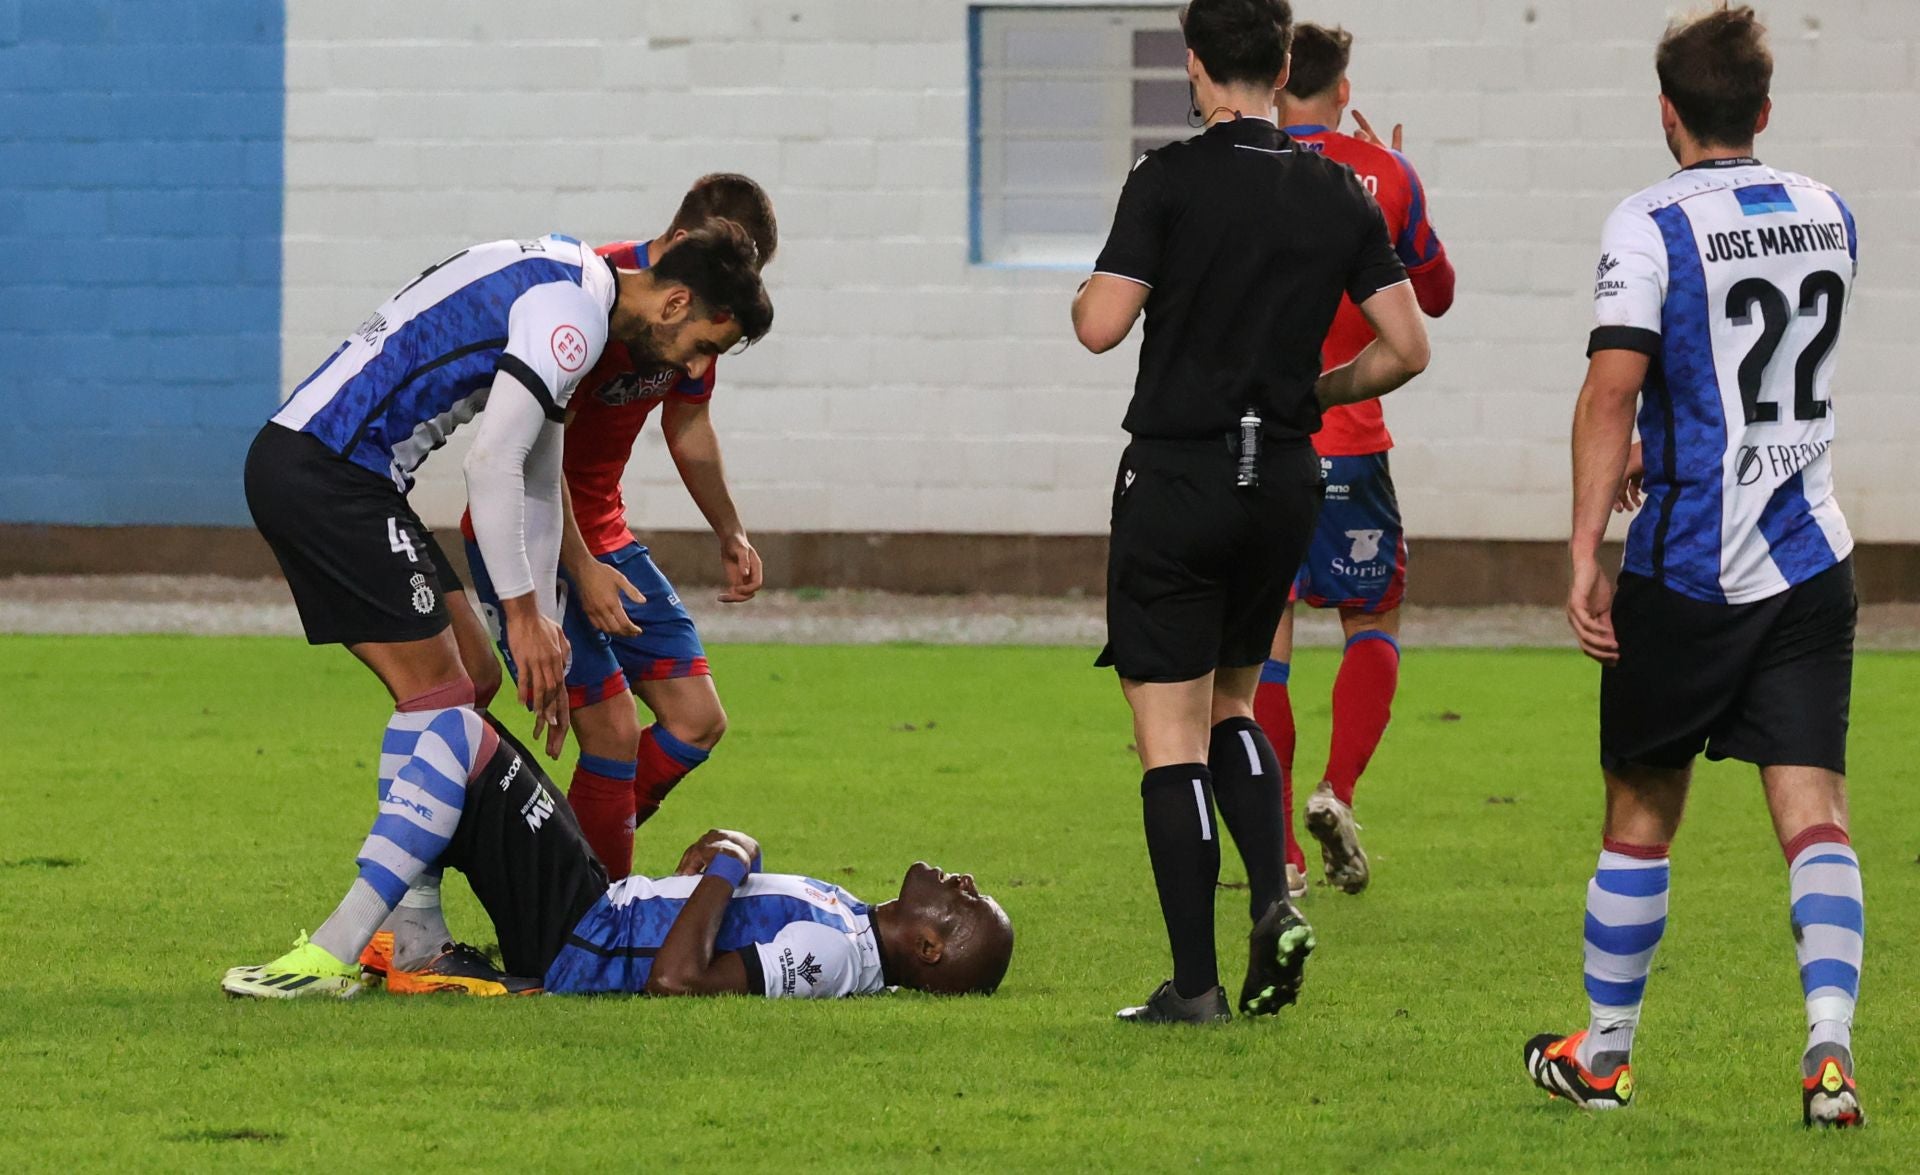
1366	545
538	807
422	594
569	347
506	781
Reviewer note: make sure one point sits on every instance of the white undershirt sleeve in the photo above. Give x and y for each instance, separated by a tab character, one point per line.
513	491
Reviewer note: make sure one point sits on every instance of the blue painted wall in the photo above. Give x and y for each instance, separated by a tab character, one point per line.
140	198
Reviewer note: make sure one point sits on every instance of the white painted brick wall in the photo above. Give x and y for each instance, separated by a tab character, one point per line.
906	390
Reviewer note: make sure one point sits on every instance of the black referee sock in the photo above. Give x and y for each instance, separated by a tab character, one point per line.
1246	783
1184	846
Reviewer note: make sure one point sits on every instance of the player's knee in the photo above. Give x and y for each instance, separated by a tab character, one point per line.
610	729
702	728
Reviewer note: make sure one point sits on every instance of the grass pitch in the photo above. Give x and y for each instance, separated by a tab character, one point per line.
174	806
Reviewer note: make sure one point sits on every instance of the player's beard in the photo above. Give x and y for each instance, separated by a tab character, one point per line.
652	345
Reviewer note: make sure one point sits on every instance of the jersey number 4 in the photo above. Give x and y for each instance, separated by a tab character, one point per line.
1776	312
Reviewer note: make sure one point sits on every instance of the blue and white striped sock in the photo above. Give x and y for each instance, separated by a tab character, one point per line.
423	789
1829	929
1626	915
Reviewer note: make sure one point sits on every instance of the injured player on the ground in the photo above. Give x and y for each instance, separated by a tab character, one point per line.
717	926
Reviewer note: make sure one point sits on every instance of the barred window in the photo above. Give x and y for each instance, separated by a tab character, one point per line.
1064	100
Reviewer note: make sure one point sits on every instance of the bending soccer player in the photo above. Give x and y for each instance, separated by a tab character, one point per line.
718	926
509	328
1358	561
627	630
1719	300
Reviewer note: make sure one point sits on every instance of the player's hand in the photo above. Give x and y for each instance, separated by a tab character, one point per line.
742	566
1590	611
1632	486
700	853
540	650
1366	133
602	591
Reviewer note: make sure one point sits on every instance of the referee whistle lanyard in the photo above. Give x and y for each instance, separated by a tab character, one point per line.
1248	474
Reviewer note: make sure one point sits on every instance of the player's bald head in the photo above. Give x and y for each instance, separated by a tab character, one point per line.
959	941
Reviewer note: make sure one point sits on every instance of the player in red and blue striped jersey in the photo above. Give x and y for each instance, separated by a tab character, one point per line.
626	626
1358	561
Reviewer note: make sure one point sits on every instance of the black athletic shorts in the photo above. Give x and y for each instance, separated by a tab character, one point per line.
1769	683
361	564
524	856
1199	569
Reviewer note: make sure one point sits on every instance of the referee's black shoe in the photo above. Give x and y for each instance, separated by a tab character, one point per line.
1166	1006
1277	951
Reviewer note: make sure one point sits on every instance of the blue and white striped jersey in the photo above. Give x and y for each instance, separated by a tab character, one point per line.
799	937
1734	278
424	363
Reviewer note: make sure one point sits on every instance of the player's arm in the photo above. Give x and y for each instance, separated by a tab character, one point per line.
1106	305
688	426
1377	283
686	964
514	498
1602	440
600	589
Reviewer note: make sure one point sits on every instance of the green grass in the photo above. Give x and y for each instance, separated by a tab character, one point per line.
171	807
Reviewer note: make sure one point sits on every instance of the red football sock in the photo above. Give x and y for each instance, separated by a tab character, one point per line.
664	761
1362	707
1273	710
602	800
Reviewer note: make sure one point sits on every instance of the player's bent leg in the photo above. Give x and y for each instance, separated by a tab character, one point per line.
1362	706
1626	916
689	722
1809	809
601	793
1171	723
475	640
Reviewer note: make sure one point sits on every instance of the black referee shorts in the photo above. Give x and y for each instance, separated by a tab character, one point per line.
1769	683
1199	569
360	563
525	858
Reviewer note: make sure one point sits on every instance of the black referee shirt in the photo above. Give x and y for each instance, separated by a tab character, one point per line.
1247	244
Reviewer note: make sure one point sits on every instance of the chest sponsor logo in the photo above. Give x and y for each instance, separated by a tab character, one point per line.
569	348
634	386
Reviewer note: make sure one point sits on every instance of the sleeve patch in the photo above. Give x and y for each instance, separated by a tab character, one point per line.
569	345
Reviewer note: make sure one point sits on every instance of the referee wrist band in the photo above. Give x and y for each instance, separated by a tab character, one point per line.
728	866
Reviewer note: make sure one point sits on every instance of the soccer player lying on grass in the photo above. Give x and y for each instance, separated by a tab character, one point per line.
718	926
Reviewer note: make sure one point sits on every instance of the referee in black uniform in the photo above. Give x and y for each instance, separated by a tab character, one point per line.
1238	247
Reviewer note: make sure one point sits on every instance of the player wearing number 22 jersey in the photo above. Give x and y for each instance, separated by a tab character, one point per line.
1720	297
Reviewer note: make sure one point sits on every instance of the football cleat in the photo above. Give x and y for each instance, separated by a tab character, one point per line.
1554	1064
1331	823
1296	883
458	969
306	970
1166	1006
1277	951
1827	1096
377	959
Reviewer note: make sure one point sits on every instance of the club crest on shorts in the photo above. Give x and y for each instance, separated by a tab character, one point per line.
1366	545
422	594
